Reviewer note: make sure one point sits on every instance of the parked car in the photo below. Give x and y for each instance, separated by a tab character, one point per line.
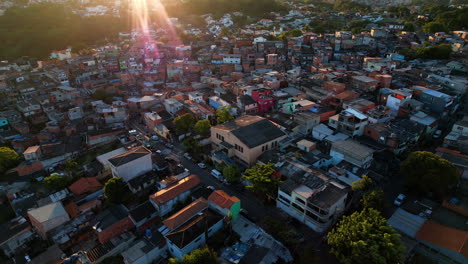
211	188
400	199
437	134
187	156
246	214
217	174
202	165
169	145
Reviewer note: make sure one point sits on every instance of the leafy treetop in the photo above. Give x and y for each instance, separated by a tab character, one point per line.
365	237
426	172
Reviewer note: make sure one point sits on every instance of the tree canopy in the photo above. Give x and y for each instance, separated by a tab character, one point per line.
426	172
184	123
70	166
231	173
257	8
365	237
8	159
202	127
374	199
38	29
433	27
201	256
362	185
261	178
192	145
116	190
438	52
223	114
56	182
104	96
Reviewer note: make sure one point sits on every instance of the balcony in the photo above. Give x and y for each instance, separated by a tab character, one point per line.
222	156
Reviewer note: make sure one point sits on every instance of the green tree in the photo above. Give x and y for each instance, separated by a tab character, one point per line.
225	31
184	123
295	32
70	166
201	256
192	145
202	127
409	27
8	159
223	114
365	237
231	173
319	29
174	261
433	27
426	172
103	95
362	185
261	178
374	199
56	182
116	190
356	30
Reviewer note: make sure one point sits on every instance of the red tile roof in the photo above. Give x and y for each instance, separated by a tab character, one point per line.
84	185
29	169
167	194
222	199
443	236
186	213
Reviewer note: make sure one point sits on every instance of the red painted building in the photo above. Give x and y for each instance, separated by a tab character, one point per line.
264	100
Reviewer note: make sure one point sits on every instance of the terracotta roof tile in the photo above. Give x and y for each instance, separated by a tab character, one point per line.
443	236
167	194
222	199
186	213
84	185
29	169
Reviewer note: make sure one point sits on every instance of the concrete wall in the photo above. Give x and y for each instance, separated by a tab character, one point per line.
134	168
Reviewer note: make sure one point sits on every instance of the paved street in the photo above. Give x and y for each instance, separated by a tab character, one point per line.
249	201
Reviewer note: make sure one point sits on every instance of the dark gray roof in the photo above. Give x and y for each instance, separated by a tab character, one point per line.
110	216
247	99
257	133
12	228
255	255
142	211
327	197
185	234
129	156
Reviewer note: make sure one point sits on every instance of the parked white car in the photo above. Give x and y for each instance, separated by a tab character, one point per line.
202	165
400	199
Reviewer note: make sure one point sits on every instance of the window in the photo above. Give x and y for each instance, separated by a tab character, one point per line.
298	207
301	201
198	239
239	148
284	199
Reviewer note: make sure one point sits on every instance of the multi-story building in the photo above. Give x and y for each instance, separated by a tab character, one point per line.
364	83
48	217
244	139
311	196
193	233
131	164
165	199
353	152
264	100
350	122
